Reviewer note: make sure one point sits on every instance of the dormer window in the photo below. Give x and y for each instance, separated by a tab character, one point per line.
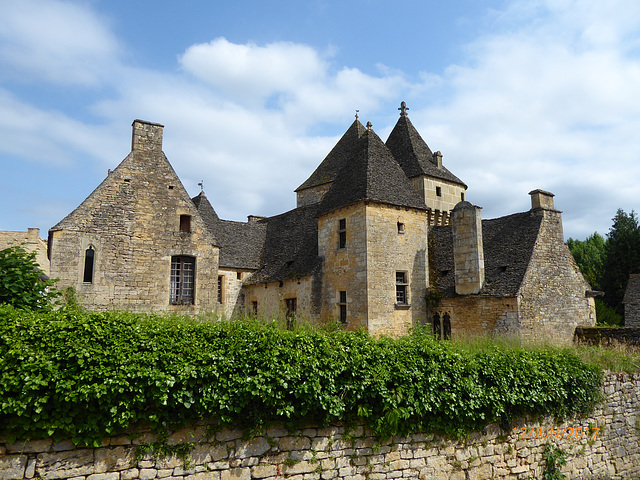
342	233
185	223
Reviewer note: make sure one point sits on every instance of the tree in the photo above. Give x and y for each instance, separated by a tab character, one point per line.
22	283
590	255
622	257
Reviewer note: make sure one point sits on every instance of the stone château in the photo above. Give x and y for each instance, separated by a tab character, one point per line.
382	238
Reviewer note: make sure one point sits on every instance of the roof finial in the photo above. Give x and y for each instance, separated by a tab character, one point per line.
403	109
201	185
369	125
357	114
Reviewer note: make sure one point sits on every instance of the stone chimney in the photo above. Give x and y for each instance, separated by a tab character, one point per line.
437	159
33	235
542	205
541	200
146	136
468	251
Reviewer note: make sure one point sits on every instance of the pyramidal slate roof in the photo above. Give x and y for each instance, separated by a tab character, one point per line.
413	154
370	173
328	170
240	243
508	245
290	247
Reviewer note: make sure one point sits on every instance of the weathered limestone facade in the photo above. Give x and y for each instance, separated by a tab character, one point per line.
547	302
116	249
30	241
381	229
314	453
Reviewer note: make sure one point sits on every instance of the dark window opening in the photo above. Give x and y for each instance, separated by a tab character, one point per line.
170	187
439	191
254	307
401	288
400	227
342	304
446	327
503	268
462	196
182	280
220	281
290	316
239	276
185	223
342	233
127	180
436	326
89	256
444	273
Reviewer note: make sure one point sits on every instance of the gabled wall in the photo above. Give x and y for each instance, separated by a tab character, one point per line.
553	297
132	222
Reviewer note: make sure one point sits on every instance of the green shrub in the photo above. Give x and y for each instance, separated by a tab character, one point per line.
88	375
21	280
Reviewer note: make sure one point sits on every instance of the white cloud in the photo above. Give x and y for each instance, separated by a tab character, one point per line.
56	41
549	100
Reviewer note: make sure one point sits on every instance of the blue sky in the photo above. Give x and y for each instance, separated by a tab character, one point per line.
517	95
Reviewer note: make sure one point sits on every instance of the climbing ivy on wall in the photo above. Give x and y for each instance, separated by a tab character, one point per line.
71	374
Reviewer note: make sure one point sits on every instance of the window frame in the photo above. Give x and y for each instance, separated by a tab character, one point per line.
185	224
342	233
342	306
182	280
402	289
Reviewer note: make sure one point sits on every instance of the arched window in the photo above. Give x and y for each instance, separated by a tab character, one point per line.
89	257
446	326
436	325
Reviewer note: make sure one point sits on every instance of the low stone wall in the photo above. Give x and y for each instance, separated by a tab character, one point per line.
609	449
608	335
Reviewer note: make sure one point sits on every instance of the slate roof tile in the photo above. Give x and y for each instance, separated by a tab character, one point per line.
508	245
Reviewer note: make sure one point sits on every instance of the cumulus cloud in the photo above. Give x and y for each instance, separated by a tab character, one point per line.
550	104
55	41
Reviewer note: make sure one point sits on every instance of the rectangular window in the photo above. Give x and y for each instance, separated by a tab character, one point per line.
342	233
220	282
400	228
182	280
401	288
291	304
185	223
254	307
462	196
438	191
342	305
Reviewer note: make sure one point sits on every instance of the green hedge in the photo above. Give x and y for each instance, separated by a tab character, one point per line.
87	375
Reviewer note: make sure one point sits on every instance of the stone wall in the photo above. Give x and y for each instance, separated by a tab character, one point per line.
271	298
608	335
480	316
315	453
553	296
30	241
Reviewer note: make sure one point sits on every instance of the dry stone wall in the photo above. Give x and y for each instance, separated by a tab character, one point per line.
610	452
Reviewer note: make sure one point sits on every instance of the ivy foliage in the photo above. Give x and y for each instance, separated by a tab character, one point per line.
72	374
22	283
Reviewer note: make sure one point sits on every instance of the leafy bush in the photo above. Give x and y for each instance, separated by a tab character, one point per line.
21	281
87	375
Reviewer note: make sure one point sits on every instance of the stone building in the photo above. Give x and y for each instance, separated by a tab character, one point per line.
30	241
381	238
631	301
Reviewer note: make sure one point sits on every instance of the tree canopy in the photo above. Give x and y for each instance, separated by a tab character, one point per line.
22	282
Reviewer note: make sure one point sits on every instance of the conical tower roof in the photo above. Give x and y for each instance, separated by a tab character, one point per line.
371	173
333	162
412	152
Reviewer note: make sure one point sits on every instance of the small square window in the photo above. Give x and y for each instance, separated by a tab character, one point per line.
400	227
438	191
185	223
